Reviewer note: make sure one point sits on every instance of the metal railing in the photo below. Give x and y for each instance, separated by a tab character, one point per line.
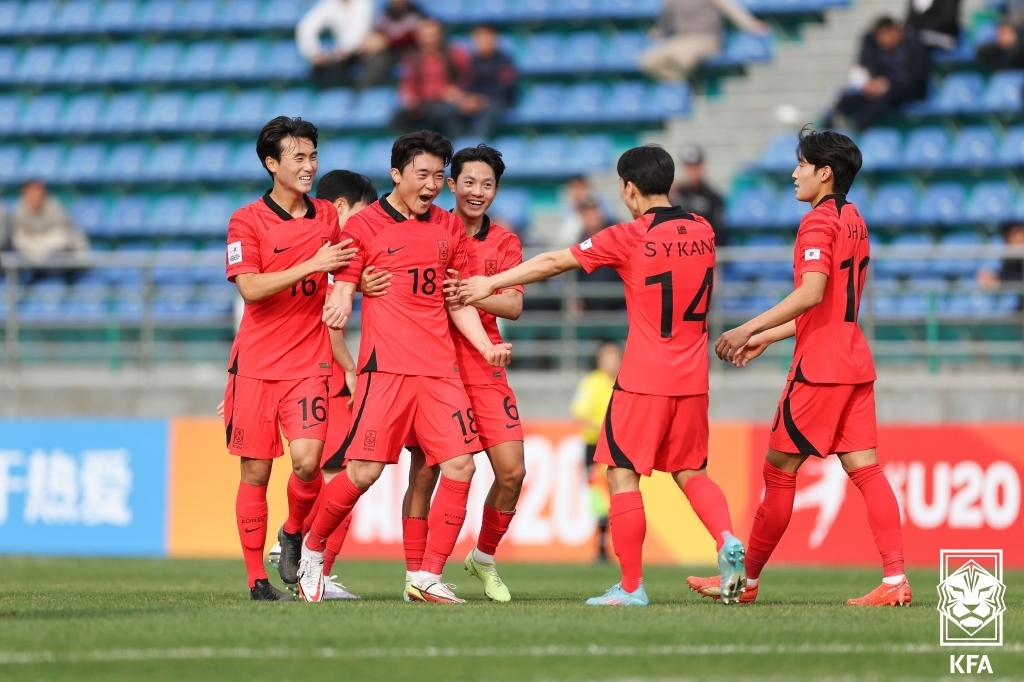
564	320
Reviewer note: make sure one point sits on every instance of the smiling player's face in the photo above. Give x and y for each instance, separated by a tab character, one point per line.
297	167
474	189
419	183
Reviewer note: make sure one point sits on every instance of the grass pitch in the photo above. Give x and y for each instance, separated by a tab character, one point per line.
72	619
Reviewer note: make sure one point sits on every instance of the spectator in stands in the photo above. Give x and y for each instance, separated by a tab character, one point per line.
1012	269
492	85
1007	52
393	34
594	219
690	31
41	229
935	23
433	87
892	70
348	22
578	191
694	195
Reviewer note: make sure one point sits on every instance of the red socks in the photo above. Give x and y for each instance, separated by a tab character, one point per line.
708	502
308	523
334	544
340	495
302	496
771	519
883	515
493	528
629	528
447	514
251	516
414	540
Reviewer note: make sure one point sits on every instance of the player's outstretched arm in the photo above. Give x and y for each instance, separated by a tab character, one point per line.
805	297
338	307
344	358
467	321
759	343
508	304
255	286
541	267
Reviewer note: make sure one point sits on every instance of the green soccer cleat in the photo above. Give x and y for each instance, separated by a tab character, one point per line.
494	588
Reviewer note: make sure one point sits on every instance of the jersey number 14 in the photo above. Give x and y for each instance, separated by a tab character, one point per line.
691	314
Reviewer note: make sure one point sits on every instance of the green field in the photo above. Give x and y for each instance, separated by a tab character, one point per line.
63	619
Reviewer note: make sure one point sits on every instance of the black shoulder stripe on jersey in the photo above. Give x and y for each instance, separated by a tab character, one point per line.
338	458
799	440
664	214
371	364
618	456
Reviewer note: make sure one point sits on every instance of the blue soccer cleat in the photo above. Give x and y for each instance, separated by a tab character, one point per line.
616	596
733	572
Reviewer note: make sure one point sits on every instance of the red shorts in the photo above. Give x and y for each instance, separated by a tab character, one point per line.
389	407
495	416
822	419
339	420
648	433
256	411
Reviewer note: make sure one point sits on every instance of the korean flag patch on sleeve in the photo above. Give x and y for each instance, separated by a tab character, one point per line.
812	254
586	245
234	253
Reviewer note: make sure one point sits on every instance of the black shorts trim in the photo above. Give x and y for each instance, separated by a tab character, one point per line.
802	443
589	453
618	456
338	458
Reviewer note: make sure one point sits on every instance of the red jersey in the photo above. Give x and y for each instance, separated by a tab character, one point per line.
491	250
666	259
282	336
830	346
406	332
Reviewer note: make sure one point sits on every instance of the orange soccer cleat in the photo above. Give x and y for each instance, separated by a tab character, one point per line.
885	595
711	587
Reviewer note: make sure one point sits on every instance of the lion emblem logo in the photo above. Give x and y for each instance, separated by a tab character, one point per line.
971	597
490	268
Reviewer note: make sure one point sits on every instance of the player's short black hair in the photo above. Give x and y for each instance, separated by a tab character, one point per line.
411	145
649	167
835	150
481	152
344	184
268	143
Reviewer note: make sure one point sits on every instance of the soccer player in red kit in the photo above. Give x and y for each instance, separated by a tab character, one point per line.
828	404
494	417
658	415
280	250
408	370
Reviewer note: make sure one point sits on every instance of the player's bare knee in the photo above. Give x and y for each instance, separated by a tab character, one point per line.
459	469
364	474
510	479
256	472
683	476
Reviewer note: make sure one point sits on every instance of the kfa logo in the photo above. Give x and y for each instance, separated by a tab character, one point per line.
369	440
442	251
971	603
490	268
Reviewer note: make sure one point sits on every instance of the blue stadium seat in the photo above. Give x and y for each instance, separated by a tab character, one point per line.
38	64
893	204
78	64
119	62
547	153
41	113
583	52
166	111
124	112
632	9
295	102
9	56
239	14
282	14
881	148
82	113
590	153
376	158
10	163
331	108
170	215
89	214
86	302
167	162
10	108
207	111
583	102
624	50
171	302
789	212
242	59
899	266
541	102
157	16
338	154
959	93
160	62
43	162
128	215
669	99
374	108
84	163
202	61
42	301
513	152
991	202
942	204
542	53
1003	94
1011	151
975	146
950	262
128	299
752	208
244	164
197	15
213	160
511	208
764	270
212	213
117	16
741	49
213	301
125	162
629	101
38	16
926	148
8	17
248	110
780	154
282	60
75	16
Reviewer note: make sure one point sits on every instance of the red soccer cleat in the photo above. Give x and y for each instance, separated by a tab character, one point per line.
885	595
711	587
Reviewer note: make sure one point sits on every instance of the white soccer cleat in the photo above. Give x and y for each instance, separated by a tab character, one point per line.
311	575
333	590
434	591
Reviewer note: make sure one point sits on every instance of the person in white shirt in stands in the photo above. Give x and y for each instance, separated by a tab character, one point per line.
349	23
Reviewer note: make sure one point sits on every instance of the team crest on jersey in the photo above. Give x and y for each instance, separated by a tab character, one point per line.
490	268
239	437
369	440
681	229
442	251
